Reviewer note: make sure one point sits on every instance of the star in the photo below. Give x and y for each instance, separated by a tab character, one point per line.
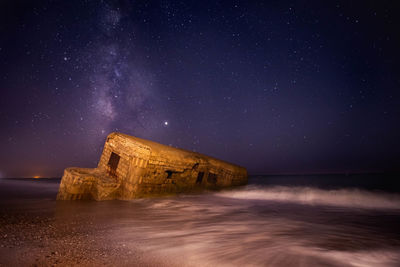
166	123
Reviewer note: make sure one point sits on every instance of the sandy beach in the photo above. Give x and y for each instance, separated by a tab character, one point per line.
35	230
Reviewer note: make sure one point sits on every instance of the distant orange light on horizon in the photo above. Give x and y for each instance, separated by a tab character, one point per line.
37	176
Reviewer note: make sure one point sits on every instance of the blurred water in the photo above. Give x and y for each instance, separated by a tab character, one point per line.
349	198
262	224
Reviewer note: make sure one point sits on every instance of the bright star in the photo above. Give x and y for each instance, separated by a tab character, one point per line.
166	123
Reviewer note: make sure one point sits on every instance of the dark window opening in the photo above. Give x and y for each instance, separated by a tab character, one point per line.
113	163
199	177
212	178
169	174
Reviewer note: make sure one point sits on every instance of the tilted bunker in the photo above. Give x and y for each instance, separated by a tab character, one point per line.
131	167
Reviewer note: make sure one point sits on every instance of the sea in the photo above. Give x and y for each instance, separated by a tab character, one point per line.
281	220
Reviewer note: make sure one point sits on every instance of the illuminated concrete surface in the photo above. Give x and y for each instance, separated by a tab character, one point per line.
131	167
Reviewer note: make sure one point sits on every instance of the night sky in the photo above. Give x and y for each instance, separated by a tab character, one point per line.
275	86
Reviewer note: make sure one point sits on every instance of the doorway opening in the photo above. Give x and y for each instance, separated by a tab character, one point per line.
199	178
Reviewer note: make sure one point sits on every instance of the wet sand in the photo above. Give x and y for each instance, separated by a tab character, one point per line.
36	230
39	239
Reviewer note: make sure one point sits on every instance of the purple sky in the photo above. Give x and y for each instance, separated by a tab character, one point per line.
277	87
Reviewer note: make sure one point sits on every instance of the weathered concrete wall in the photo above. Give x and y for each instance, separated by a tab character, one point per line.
130	167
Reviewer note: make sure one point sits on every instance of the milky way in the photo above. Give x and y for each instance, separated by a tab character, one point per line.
277	87
122	90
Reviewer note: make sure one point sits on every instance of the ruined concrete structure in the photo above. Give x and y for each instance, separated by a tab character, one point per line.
131	167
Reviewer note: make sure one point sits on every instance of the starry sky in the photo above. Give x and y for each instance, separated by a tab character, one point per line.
278	87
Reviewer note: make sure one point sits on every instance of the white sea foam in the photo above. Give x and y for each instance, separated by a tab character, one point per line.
355	198
363	258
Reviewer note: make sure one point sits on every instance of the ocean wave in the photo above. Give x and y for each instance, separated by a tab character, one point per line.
355	198
363	258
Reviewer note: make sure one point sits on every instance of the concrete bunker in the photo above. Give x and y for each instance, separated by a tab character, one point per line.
130	167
